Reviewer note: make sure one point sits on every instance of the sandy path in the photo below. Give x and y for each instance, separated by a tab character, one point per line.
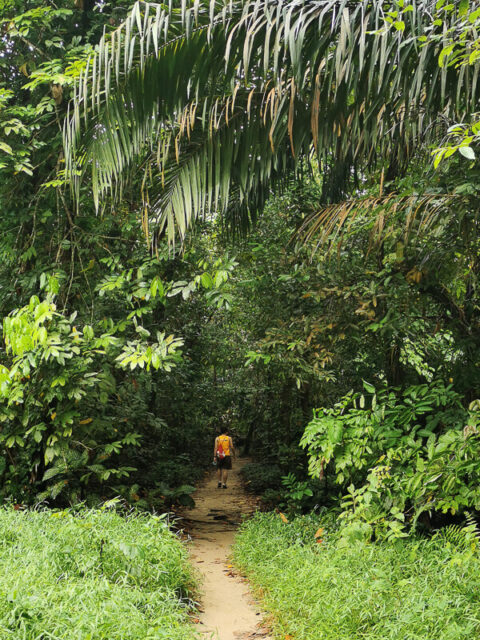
228	611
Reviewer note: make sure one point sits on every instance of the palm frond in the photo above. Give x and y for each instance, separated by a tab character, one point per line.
382	215
227	172
328	74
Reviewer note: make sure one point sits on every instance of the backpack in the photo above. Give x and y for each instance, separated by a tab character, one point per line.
221	453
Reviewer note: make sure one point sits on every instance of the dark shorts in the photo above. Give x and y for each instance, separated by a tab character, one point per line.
224	463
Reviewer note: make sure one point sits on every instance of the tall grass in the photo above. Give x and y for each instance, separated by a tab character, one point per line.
95	575
407	590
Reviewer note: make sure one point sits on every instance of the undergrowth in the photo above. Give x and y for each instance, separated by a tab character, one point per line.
260	477
318	589
94	575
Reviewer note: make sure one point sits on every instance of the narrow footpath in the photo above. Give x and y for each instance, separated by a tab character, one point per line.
228	611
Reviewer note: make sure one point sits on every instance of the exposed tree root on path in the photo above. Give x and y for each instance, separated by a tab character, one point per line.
228	611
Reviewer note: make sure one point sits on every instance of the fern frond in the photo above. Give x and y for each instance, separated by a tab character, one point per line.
461	536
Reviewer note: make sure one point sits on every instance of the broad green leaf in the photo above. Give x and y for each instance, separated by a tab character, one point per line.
467	152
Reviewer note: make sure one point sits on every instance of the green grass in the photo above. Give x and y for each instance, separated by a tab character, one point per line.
96	575
410	589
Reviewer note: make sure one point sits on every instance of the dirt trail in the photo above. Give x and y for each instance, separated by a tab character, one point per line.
228	611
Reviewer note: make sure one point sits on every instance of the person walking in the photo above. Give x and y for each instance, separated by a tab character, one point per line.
223	451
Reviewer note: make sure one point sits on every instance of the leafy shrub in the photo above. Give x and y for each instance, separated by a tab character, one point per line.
175	471
398	453
57	386
287	492
260	476
315	588
461	537
95	574
298	495
163	498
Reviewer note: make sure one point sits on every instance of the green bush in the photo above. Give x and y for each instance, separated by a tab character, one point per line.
397	454
93	575
260	476
403	590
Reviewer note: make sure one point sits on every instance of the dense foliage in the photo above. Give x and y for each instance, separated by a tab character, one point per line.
91	317
339	339
219	100
354	299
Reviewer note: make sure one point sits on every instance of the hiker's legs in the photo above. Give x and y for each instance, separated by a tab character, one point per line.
226	465
219	476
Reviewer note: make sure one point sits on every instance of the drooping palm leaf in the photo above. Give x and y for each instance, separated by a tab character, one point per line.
382	215
233	92
226	170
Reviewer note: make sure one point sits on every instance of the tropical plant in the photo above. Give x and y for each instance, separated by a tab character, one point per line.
461	47
49	391
402	454
296	494
219	100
